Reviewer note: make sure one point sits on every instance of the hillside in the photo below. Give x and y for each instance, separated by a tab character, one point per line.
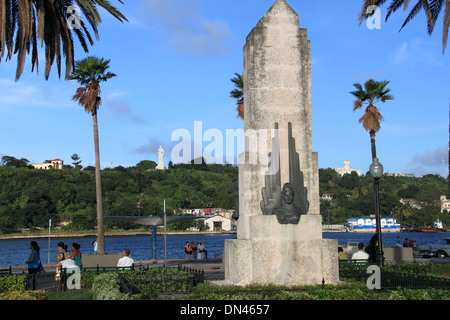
353	195
29	197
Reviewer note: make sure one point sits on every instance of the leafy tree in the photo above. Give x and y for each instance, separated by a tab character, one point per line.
23	23
372	93
146	165
13	162
90	72
76	161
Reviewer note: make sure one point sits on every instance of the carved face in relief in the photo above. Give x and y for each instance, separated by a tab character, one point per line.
288	193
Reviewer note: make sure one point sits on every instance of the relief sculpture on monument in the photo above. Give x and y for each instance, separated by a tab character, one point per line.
291	202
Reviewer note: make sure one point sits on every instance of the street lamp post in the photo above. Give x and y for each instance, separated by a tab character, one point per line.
376	171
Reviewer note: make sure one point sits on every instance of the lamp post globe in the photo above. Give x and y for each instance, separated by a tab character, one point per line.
376	169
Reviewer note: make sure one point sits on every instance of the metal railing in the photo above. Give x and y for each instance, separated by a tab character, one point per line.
392	279
162	286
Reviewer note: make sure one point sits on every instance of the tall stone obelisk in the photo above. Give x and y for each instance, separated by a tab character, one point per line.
279	230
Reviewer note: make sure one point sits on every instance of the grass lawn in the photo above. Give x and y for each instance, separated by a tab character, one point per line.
82	294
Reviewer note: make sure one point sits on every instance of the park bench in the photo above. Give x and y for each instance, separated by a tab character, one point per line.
353	262
98	269
5	272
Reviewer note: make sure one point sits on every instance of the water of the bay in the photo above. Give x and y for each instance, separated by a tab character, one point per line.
15	252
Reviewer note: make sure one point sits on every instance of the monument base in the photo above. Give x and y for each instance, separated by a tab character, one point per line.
290	258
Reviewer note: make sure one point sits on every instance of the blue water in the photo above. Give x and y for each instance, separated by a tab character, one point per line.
15	252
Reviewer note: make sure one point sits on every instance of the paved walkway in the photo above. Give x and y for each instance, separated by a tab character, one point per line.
213	267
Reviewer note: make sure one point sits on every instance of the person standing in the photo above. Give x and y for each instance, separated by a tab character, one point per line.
202	250
94	245
33	259
398	242
194	250
76	254
188	250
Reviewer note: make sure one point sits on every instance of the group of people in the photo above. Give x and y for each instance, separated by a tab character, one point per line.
191	250
66	259
364	253
406	243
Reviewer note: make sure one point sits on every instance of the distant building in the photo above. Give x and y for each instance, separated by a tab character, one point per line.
347	169
327	196
411	202
408	175
219	223
445	203
54	164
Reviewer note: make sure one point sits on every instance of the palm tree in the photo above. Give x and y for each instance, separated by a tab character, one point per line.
432	9
238	93
90	72
372	93
24	23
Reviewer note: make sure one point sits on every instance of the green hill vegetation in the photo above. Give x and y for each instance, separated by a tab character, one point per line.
353	195
30	197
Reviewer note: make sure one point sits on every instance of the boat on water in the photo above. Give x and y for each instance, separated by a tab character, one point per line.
368	224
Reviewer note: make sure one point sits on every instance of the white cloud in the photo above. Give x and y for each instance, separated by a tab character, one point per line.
416	52
186	27
20	94
434	161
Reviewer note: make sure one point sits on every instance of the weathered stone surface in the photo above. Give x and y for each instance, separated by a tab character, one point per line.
277	89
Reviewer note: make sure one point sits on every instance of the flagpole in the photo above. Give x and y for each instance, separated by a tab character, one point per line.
165	235
49	225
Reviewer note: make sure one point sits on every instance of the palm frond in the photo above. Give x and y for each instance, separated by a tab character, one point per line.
24	22
432	9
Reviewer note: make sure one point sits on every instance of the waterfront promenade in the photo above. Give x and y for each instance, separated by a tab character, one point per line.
213	267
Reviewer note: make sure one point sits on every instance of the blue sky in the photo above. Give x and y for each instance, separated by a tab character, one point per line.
175	58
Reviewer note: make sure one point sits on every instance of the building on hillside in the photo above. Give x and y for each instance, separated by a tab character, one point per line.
53	164
219	223
347	169
196	212
327	197
411	202
206	212
445	204
408	175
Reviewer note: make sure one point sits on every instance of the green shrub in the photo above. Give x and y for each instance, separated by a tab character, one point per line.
106	287
81	294
24	295
354	291
13	283
159	280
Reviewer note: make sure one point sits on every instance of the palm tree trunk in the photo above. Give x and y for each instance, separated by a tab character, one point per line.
98	188
372	143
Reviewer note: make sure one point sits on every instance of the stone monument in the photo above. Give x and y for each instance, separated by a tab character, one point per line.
160	165
279	226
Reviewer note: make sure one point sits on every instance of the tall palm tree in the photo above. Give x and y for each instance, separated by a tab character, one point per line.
90	72
432	9
238	93
24	23
372	93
